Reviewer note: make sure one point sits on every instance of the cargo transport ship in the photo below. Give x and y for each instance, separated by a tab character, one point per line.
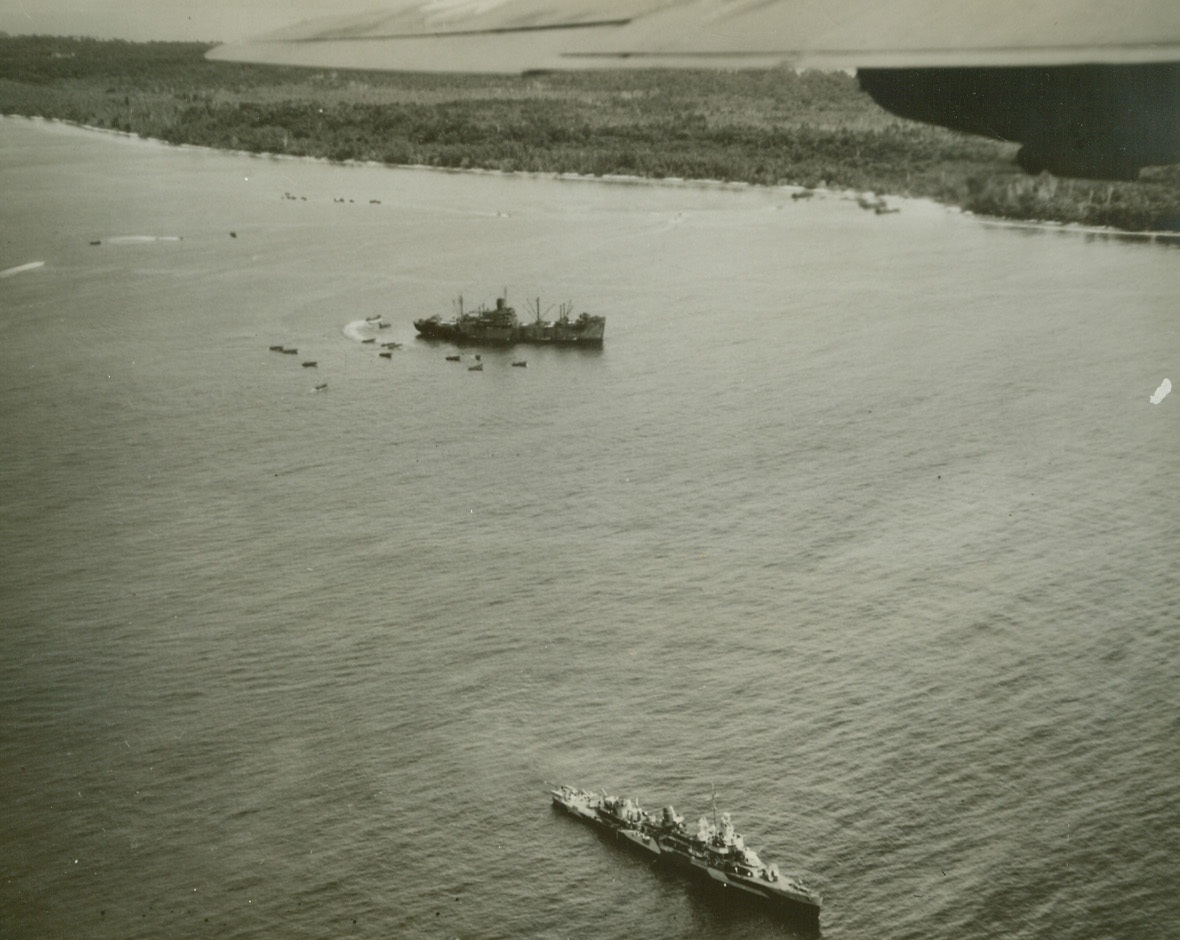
500	327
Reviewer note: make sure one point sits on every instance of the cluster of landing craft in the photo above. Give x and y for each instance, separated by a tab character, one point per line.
307	363
713	850
376	322
477	365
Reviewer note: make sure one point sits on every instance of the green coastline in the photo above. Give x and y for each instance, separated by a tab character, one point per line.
813	130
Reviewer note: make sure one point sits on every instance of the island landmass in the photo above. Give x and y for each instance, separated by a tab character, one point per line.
774	128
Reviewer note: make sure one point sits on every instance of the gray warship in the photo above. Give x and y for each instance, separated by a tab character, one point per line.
714	851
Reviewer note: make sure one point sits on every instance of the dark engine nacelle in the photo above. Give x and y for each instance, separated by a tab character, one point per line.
1091	121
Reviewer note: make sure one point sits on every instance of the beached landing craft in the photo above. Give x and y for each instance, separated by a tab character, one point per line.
714	850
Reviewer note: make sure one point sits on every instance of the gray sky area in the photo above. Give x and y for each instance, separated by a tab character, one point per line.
1109	28
219	20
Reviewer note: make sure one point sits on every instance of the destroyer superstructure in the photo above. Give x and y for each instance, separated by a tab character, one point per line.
714	850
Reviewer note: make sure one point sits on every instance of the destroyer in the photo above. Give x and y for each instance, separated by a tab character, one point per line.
714	850
500	327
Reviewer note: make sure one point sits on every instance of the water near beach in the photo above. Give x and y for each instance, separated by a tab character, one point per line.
866	521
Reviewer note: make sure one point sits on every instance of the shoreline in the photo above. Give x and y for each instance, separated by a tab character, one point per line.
792	191
775	128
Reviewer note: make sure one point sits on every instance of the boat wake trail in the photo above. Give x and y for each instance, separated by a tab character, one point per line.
359	330
132	239
9	272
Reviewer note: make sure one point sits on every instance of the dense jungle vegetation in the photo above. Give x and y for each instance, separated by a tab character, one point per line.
813	129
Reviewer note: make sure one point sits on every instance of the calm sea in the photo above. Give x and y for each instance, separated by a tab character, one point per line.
864	521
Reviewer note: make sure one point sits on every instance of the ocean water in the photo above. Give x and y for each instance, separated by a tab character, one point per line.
865	523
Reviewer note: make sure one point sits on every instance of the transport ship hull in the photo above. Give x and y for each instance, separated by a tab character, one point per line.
500	327
529	334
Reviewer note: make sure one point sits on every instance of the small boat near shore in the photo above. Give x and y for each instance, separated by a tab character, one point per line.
714	850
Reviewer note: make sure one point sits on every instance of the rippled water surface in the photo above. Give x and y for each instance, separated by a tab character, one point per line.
865	521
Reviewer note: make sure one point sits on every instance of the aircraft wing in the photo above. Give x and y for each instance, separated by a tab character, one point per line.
525	35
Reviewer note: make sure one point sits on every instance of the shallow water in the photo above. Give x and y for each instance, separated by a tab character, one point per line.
866	521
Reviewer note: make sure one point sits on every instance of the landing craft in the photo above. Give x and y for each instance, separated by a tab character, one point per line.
1091	88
